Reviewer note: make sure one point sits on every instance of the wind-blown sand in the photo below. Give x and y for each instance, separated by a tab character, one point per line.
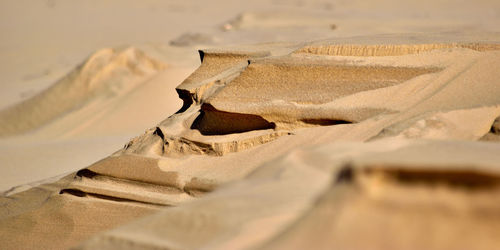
328	135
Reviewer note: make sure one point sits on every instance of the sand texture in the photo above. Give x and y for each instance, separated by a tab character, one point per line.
263	125
353	136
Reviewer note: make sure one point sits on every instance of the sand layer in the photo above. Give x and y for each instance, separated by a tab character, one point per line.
348	138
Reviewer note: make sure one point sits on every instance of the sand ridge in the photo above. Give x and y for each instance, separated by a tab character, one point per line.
225	121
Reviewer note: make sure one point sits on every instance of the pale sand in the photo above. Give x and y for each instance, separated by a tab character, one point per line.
354	126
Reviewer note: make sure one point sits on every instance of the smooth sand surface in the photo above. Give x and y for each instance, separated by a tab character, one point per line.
249	125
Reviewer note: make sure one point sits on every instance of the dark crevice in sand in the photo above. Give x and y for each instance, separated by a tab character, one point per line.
325	122
187	100
345	175
456	178
159	133
465	178
202	55
494	134
215	122
86	173
495	127
74	192
79	193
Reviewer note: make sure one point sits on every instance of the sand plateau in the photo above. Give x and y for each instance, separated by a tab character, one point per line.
314	145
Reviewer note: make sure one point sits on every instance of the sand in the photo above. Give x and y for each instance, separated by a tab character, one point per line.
259	125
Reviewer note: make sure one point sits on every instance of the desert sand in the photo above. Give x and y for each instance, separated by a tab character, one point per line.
250	125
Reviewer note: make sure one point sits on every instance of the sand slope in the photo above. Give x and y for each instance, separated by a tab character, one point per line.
344	126
105	74
419	191
93	110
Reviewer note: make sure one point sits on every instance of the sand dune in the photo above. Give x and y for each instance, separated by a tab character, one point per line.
106	73
368	108
309	124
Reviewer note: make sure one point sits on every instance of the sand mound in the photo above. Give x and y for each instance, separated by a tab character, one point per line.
104	75
259	115
385	184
